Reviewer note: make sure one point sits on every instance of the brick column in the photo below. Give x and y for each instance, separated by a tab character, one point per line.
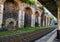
1	13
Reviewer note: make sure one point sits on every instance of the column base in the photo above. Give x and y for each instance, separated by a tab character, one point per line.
58	34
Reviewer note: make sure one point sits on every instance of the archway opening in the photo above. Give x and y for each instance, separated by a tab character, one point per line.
10	25
27	17
10	10
12	21
36	18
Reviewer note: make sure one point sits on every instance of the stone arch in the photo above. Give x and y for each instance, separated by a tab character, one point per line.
27	16
11	9
37	15
28	9
3	1
9	20
12	2
10	23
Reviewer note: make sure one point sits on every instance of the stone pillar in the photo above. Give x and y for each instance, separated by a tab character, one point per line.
39	21
49	21
21	19
33	20
43	23
58	29
1	13
52	22
46	21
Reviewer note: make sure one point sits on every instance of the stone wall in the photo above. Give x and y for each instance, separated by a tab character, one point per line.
19	16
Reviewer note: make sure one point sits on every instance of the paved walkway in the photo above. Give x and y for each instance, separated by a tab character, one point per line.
49	37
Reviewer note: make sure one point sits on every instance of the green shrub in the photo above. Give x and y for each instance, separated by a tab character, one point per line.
31	2
22	30
42	8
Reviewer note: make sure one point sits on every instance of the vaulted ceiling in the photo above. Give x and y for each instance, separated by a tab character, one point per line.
51	5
